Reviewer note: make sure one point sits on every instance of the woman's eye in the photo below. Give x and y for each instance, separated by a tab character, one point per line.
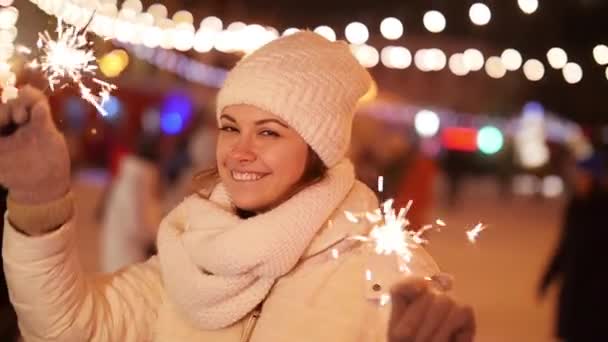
269	133
228	129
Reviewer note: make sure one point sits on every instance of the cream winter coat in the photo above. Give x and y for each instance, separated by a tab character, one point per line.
321	299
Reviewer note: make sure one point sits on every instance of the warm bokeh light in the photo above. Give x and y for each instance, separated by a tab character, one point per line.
290	30
356	33
213	24
159	11
326	32
495	68
434	21
511	59
396	57
391	28
367	55
113	63
204	40
573	73
557	57
553	186
480	14
426	123
600	54
534	70
183	16
457	64
474	59
528	6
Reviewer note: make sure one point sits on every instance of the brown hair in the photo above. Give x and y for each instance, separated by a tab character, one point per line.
203	182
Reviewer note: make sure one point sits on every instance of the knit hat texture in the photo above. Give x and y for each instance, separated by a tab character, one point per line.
311	83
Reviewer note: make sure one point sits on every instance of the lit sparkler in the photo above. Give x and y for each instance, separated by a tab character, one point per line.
70	56
474	233
390	233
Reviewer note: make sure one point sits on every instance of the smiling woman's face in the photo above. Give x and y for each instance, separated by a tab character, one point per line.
260	158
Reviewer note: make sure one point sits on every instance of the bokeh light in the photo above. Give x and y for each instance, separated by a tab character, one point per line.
528	6
557	57
480	14
391	28
489	140
534	70
434	21
112	64
356	33
573	73
426	123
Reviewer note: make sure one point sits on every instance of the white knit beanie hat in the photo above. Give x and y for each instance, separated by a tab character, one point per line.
311	83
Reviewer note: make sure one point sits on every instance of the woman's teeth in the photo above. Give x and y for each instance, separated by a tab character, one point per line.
246	176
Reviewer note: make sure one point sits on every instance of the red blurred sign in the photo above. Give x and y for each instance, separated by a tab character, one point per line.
459	139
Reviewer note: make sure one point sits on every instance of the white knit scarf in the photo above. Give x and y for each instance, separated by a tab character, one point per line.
217	267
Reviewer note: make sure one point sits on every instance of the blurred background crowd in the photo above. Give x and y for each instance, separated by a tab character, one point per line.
482	111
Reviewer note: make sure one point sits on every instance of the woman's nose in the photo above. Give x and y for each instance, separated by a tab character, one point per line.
243	150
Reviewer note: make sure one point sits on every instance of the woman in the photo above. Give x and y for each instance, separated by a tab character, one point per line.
250	257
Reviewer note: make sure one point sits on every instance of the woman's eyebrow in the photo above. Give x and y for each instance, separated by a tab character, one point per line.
227	117
263	121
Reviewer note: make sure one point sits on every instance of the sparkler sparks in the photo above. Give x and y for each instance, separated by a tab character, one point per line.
474	233
70	57
390	233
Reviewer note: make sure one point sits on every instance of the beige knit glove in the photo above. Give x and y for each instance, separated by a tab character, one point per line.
34	164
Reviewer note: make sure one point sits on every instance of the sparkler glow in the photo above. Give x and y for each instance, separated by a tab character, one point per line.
70	57
390	233
335	253
474	233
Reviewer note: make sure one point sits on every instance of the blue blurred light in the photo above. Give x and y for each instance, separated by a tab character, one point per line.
171	123
533	110
76	111
175	113
112	106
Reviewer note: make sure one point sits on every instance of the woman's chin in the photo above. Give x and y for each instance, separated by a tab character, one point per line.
249	204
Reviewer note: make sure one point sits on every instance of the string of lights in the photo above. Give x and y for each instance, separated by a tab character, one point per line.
153	28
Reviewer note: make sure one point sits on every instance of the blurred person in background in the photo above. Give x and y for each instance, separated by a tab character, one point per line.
133	209
201	153
391	158
249	258
8	319
362	151
578	264
454	164
417	184
506	169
